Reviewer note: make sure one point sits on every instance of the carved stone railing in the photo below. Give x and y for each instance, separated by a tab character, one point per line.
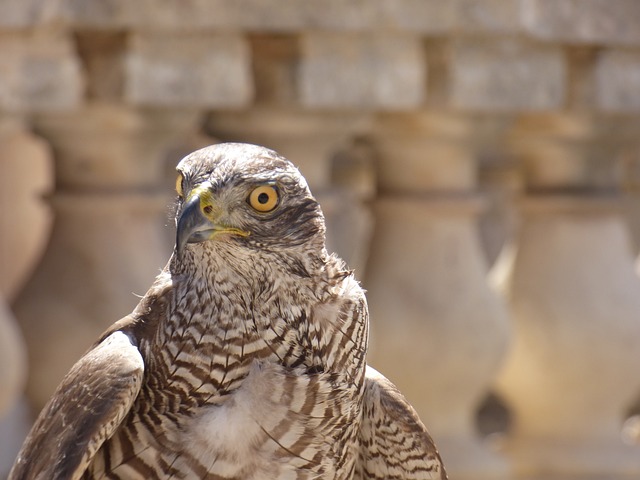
393	111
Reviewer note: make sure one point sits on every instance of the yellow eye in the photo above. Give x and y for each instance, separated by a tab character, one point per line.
263	198
179	185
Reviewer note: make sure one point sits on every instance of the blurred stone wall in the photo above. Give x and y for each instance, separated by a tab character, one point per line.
446	140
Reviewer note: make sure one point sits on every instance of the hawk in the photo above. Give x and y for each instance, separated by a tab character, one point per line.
244	360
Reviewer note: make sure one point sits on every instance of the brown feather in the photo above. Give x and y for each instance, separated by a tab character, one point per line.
85	410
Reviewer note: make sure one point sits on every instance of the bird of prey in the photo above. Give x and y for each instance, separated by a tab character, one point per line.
244	360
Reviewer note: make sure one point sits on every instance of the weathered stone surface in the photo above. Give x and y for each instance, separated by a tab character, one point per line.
102	13
424	16
197	14
589	21
506	75
27	13
487	16
186	70
38	73
427	17
617	78
343	71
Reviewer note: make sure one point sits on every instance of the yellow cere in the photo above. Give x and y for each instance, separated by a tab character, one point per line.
264	198
207	203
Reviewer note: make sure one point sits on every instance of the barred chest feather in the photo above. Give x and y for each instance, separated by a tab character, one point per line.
276	394
278	424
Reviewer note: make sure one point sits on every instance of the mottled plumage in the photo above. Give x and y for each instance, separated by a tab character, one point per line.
244	360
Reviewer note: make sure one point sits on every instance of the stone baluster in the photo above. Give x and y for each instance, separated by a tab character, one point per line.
111	208
25	173
575	302
437	330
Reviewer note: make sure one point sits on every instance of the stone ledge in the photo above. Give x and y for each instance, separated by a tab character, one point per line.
617	75
606	22
424	16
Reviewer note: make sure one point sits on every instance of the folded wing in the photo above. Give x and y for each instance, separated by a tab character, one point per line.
85	410
394	442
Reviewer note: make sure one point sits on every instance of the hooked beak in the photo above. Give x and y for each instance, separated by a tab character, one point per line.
191	224
197	222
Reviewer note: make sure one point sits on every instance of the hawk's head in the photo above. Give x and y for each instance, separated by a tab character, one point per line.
248	196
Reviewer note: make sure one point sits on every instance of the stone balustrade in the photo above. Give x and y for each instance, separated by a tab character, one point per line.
434	133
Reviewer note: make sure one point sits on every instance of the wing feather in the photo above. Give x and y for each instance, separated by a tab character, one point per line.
90	403
394	442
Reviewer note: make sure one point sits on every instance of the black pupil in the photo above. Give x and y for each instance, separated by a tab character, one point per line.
263	198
